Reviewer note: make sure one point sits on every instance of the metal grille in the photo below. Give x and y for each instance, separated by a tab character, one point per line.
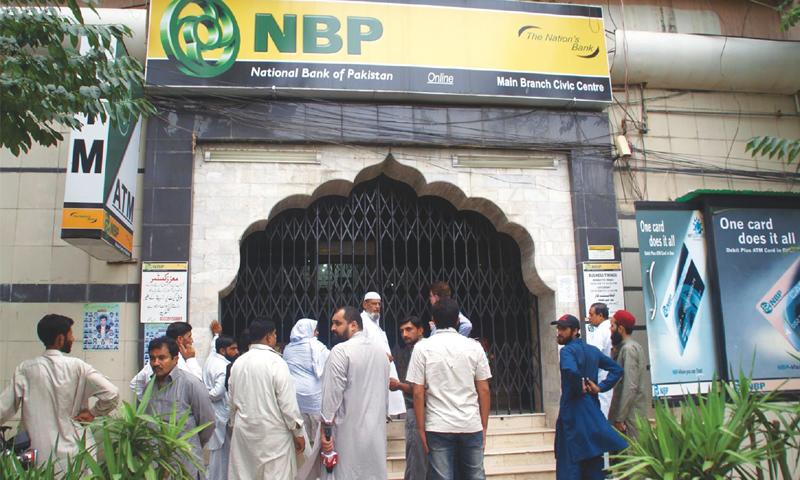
383	237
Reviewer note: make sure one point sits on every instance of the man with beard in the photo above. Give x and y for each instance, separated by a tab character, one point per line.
244	346
266	421
629	398
370	319
224	351
412	331
178	392
53	391
582	432
354	398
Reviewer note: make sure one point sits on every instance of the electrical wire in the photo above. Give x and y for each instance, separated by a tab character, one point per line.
362	119
363	122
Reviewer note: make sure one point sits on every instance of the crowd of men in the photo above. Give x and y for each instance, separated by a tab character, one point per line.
261	409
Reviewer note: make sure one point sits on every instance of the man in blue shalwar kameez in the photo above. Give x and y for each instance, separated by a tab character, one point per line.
582	432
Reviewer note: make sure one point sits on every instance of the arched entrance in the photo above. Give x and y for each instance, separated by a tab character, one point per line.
383	237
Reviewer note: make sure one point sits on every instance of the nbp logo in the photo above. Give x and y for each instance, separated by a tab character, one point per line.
179	32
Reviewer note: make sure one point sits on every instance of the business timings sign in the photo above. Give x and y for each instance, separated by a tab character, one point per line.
476	51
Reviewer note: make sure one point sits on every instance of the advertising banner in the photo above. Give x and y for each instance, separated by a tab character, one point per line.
165	289
675	279
100	190
440	50
758	267
101	326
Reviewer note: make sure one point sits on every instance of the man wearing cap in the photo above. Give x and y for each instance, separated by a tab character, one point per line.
629	398
582	432
370	317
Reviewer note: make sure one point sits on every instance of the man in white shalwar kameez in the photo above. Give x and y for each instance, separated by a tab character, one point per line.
53	391
370	318
266	422
223	351
355	387
598	333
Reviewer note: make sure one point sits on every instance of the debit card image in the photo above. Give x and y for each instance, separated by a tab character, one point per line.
781	305
682	298
688	302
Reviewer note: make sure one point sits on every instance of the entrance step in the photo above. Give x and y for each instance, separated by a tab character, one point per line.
518	447
522	472
529	420
495	459
498	439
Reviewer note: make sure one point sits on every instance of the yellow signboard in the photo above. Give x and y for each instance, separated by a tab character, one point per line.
118	233
479	48
84	218
80	224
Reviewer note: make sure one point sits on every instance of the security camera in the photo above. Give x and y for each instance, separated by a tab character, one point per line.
623	148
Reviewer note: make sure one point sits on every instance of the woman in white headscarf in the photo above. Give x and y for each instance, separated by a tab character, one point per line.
306	357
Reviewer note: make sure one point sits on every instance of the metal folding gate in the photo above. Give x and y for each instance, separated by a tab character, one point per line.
383	237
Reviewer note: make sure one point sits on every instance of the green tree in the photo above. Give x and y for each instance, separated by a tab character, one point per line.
789	11
45	81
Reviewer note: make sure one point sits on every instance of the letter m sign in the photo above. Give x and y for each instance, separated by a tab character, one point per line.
84	161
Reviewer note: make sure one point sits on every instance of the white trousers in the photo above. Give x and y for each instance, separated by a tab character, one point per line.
218	460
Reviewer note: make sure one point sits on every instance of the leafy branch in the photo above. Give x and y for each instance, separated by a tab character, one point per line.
789	11
45	80
775	147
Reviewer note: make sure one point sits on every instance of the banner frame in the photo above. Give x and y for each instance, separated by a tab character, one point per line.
707	202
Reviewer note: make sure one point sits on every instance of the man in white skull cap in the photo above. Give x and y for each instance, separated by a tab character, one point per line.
371	316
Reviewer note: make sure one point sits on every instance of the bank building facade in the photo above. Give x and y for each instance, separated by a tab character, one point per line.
305	153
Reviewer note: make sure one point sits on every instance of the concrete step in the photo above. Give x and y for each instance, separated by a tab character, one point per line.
494	459
495	440
518	447
520	437
396	427
529	420
525	472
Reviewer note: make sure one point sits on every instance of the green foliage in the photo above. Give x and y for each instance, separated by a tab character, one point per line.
775	146
785	427
135	446
45	81
723	434
790	13
11	468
